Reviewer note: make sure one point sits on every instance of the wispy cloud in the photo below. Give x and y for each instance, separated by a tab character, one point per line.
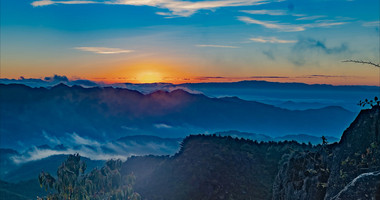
273	25
50	2
371	24
215	46
306	47
325	23
325	76
266	12
176	7
104	50
313	44
162	126
311	17
269	54
291	27
271	40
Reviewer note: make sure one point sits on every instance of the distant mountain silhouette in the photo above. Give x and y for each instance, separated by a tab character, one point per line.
293	96
109	113
291	105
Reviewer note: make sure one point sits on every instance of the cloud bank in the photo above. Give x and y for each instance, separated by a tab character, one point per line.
50	81
96	150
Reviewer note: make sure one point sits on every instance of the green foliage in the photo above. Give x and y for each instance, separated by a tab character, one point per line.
106	183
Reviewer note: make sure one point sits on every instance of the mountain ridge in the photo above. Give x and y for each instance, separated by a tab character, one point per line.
93	112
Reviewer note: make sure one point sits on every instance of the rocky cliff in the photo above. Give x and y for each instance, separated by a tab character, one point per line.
345	170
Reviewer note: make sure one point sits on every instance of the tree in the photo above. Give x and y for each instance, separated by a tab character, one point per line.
106	183
324	140
372	103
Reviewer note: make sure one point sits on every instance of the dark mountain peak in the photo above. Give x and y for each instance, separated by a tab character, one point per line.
335	108
60	86
60	147
233	99
13	85
357	151
364	130
179	92
119	90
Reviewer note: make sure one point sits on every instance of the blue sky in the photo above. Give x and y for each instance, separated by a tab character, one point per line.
179	41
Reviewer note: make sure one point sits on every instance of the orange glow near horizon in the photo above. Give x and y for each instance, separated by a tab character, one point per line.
149	77
155	77
163	71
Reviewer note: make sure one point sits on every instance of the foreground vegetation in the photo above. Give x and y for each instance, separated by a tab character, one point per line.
100	184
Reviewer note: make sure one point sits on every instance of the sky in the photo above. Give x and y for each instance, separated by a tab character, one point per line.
144	41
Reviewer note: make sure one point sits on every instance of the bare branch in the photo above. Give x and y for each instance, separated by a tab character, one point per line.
362	62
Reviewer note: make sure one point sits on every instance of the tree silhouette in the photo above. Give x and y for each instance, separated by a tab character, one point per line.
372	103
324	140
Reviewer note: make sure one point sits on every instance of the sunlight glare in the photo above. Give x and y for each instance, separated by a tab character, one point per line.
149	77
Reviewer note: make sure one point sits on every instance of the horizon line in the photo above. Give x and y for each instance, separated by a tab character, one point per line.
110	83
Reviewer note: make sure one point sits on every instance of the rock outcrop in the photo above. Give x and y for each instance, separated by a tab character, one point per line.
358	151
345	170
364	186
303	176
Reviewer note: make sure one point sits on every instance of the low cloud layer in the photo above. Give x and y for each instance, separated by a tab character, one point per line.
96	150
49	81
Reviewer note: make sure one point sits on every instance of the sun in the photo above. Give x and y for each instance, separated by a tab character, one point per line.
149	77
